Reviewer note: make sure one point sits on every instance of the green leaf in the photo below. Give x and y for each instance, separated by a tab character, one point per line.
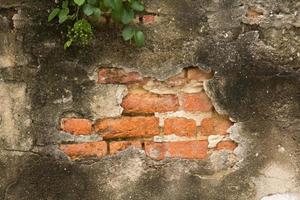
139	38
63	15
53	14
127	16
97	13
68	44
88	9
127	33
79	2
62	19
117	5
65	4
64	11
108	3
92	2
137	6
116	15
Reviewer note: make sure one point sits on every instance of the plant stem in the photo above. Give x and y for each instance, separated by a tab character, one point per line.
77	12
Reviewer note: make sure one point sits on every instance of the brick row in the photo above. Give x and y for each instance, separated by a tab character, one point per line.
155	150
120	76
139	126
128	127
188	150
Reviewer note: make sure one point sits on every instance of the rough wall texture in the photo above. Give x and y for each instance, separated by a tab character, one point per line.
252	48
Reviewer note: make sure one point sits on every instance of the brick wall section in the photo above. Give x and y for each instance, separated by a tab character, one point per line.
140	125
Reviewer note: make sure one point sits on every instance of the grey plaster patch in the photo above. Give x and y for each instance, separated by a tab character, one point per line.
191	87
243	143
105	100
129	173
20	20
15	119
213	140
276	178
284	196
222	160
67	137
10	161
11	50
7	58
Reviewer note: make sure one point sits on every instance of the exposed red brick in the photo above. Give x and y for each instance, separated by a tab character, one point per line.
118	76
149	103
196	102
126	127
215	125
194	73
76	126
115	147
82	150
156	150
188	150
228	145
180	127
148	19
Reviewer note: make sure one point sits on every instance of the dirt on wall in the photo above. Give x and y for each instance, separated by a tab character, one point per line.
251	47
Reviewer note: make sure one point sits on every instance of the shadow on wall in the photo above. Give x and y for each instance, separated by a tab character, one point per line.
46	178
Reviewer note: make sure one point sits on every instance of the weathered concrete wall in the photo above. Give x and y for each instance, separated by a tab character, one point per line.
253	48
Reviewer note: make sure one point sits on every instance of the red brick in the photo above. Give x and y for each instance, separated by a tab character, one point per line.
215	125
76	126
156	150
228	145
83	150
196	102
118	76
188	150
180	127
194	73
149	103
128	127
115	147
148	19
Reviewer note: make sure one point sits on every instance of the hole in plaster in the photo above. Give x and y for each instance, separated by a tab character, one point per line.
173	118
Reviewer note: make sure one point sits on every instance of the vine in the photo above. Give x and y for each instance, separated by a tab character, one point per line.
82	12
